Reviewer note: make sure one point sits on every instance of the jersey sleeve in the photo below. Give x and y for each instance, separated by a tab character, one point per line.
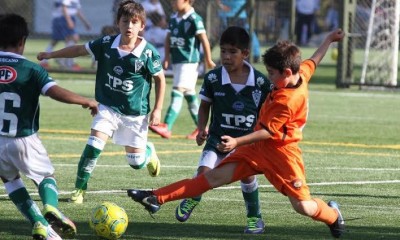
153	62
207	91
307	69
95	47
199	24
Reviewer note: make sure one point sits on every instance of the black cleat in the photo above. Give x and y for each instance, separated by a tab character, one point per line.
338	227
146	198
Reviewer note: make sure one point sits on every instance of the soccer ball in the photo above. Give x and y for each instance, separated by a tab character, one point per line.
108	221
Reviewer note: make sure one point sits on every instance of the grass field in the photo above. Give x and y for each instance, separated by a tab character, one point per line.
351	151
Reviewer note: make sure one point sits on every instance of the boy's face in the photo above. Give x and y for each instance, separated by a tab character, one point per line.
232	57
277	78
179	5
130	27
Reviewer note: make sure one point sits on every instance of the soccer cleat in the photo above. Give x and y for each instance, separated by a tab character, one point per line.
255	225
51	234
338	227
162	130
193	135
77	196
39	231
63	225
146	198
154	164
184	209
42	232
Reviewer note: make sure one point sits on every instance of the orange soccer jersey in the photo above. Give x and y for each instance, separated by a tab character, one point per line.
283	115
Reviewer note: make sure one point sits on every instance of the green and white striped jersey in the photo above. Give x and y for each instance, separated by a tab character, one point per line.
123	83
21	84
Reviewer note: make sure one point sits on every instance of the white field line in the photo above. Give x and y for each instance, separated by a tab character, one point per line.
32	191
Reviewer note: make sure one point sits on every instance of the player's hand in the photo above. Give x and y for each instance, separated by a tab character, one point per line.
43	55
210	64
201	137
93	106
227	144
155	117
165	64
336	35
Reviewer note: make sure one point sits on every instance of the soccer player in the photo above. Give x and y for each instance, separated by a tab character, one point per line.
234	93
273	148
21	151
63	27
186	33
127	63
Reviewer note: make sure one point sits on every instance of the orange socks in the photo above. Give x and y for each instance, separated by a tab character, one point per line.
183	189
325	213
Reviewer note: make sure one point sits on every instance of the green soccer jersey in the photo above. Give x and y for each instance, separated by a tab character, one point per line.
184	45
123	83
233	113
21	83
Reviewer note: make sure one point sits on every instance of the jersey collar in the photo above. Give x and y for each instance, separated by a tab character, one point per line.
136	51
10	54
227	80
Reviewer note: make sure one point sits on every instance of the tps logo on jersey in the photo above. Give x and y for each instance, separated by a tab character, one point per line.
7	74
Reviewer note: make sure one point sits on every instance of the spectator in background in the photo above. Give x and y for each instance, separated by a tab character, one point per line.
305	20
64	28
228	9
332	16
152	6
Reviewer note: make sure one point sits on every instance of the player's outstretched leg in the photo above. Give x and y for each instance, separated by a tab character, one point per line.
154	164
338	227
146	198
185	208
62	224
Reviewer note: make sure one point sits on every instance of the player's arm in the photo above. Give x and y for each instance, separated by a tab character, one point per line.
207	50
68	52
83	19
229	143
67	17
203	115
159	82
63	95
333	36
167	48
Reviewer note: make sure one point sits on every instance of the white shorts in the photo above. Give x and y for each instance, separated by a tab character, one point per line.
185	75
124	130
211	158
25	155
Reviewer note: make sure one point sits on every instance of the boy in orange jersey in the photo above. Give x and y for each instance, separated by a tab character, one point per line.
272	149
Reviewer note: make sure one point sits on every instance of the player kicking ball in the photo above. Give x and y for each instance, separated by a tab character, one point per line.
273	148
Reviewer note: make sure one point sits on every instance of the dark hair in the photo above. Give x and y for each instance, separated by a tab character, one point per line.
235	36
283	54
131	9
155	17
13	29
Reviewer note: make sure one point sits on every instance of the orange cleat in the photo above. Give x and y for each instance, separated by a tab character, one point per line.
193	135
162	130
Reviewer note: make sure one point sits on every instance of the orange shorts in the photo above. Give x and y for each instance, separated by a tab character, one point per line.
281	165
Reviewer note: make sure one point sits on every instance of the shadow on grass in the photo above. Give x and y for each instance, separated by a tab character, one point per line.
20	229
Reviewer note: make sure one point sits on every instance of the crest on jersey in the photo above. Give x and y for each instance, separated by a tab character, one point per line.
256	96
138	65
7	74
